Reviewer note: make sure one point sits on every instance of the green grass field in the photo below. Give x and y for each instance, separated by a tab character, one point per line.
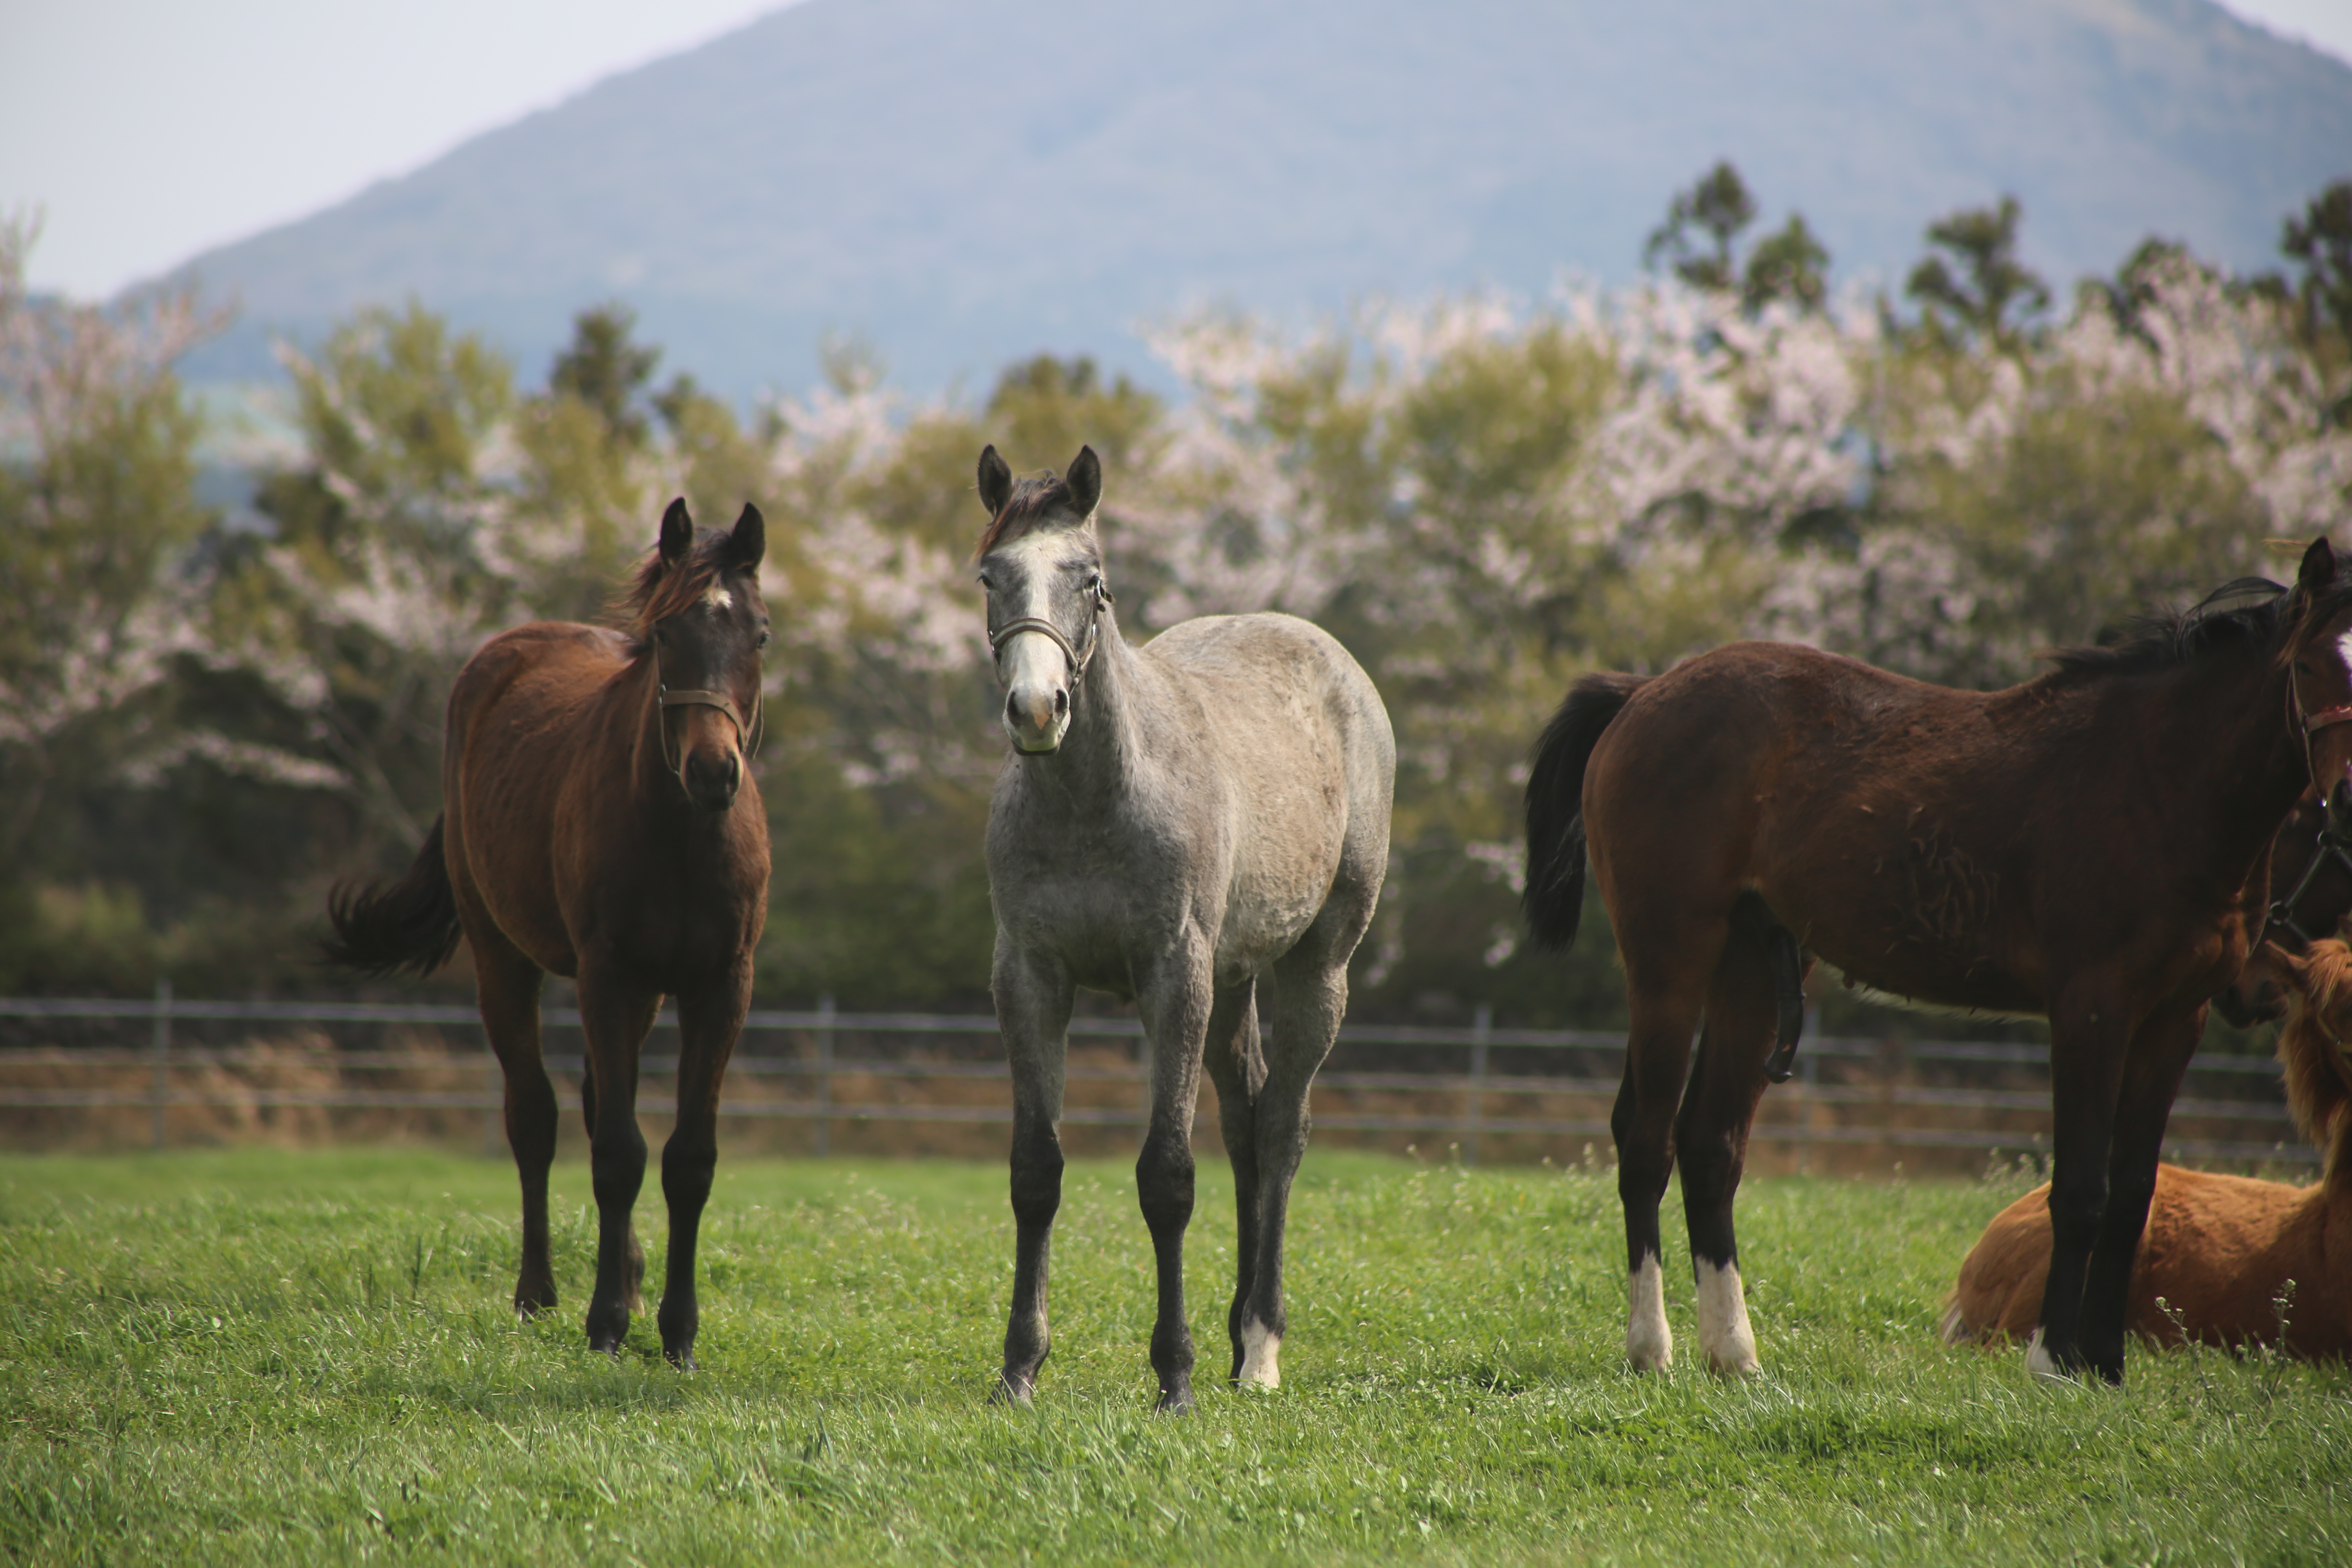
255	1355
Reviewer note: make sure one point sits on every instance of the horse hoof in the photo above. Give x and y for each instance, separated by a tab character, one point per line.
1010	1391
681	1358
1177	1400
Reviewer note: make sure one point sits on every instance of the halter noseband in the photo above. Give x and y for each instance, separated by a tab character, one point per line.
1048	629
747	736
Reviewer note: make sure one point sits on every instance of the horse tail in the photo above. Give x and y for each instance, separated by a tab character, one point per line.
2312	1051
1555	891
410	924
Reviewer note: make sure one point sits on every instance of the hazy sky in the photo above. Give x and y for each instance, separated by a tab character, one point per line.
150	129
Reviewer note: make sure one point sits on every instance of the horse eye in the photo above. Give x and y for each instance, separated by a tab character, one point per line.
763	639
987	582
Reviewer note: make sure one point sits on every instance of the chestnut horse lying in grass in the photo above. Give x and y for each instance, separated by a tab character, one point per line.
2219	1252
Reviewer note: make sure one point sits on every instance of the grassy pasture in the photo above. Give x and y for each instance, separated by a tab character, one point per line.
262	1355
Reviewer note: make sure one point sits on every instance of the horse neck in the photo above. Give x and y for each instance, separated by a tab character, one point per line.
2245	764
1097	756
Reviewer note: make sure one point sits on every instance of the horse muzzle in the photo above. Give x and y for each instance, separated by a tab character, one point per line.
1036	718
712	777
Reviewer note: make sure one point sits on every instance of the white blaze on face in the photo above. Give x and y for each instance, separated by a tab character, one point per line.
1649	1343
1260	1347
716	599
1032	665
1723	1330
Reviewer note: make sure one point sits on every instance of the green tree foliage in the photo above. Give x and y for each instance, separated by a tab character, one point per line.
1717	207
97	519
1700	233
1790	265
1992	291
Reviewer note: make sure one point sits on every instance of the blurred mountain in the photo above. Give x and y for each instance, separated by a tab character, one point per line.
961	182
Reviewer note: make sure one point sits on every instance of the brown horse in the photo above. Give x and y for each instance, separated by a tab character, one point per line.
2089	847
2226	1259
598	821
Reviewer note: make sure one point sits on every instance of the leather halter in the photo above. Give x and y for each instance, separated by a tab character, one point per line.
1052	632
2333	847
747	736
2281	915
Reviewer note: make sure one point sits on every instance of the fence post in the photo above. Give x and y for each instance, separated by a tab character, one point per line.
825	1014
161	1049
1474	1106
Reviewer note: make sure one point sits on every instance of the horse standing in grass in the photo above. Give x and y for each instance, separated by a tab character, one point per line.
2226	1259
2091	846
599	822
1174	821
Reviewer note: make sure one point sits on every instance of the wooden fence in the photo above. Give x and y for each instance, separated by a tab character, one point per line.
872	1081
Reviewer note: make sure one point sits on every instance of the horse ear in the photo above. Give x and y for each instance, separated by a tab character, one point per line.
995	480
748	544
2318	567
676	533
1085	480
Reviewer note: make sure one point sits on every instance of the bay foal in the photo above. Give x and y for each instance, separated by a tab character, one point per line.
599	821
2091	846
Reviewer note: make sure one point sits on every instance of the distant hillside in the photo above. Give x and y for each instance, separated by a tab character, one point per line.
963	181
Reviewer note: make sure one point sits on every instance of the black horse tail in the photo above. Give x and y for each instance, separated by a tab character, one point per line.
1555	894
410	924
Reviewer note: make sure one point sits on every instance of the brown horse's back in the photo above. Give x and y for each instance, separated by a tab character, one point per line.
1874	813
524	714
2218	1250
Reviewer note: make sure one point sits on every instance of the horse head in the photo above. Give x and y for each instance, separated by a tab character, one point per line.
1041	565
703	618
2319	677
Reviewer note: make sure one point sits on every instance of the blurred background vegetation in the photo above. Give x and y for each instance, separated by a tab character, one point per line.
216	700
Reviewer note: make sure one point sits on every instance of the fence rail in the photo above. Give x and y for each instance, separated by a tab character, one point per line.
1470	1103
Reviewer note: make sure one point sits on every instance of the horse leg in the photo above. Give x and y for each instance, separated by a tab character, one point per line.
1665	999
632	1289
1238	1066
617	1017
2159	1058
1176	1001
1711	1137
2088	1035
1032	1010
1310	996
508	986
708	1022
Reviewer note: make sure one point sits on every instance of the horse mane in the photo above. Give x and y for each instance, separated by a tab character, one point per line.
2312	1051
1033	496
2248	611
656	591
